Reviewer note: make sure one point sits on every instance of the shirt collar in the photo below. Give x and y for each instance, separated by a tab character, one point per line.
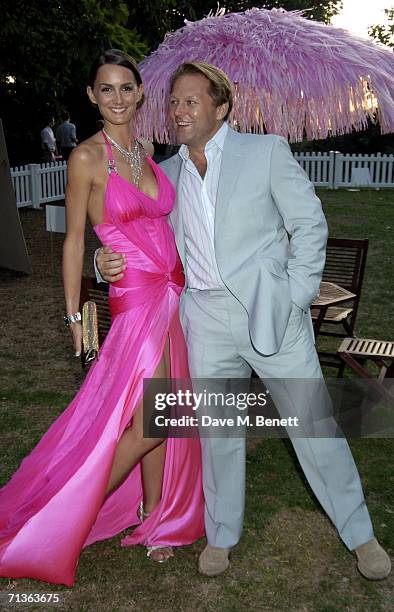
217	139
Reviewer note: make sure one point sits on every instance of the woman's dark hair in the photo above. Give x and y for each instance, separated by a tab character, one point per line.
115	57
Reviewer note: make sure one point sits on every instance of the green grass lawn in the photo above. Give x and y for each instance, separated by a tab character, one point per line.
289	556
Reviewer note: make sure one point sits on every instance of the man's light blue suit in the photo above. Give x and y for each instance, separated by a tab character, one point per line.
262	320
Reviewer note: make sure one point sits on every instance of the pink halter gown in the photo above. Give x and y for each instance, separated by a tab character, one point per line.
53	505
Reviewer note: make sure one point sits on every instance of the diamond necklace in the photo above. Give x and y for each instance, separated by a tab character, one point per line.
133	158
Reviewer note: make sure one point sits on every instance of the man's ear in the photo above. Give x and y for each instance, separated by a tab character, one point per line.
221	111
91	95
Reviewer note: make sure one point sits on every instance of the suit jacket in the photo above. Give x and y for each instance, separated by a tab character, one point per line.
264	197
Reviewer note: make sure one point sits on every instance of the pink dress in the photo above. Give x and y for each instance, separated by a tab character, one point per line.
53	505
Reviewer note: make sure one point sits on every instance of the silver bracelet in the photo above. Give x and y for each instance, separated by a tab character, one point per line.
72	318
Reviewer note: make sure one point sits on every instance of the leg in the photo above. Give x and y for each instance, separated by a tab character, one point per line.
212	355
298	389
133	447
152	464
326	461
152	469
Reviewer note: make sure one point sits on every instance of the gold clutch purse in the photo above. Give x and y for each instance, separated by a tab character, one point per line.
90	339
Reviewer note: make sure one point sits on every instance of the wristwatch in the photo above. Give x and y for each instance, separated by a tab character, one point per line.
72	318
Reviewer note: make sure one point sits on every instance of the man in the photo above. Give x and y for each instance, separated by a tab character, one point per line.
48	142
247	298
66	136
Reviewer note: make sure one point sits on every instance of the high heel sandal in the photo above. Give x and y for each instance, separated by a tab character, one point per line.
142	515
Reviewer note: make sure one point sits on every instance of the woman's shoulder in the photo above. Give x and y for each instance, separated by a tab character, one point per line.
88	153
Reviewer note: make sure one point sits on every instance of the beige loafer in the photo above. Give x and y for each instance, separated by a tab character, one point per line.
372	561
213	560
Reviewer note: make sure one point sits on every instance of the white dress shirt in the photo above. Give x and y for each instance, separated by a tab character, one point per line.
48	139
198	214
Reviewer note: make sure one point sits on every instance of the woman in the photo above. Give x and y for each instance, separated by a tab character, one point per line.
93	474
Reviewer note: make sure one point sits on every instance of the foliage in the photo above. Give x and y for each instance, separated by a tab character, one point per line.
53	43
367	141
46	46
154	18
384	33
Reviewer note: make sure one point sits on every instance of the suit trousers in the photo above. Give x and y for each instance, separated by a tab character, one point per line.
219	346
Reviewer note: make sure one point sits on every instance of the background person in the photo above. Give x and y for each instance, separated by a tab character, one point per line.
66	136
48	141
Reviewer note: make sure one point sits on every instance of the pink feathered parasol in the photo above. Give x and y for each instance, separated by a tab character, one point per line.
292	75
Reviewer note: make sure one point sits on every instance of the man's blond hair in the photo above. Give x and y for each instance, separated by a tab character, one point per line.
220	86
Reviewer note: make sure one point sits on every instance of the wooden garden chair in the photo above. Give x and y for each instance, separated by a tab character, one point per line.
356	352
345	266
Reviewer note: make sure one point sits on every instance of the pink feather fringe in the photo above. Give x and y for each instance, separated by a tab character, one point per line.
291	74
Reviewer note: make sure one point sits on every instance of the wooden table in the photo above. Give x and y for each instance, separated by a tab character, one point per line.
330	295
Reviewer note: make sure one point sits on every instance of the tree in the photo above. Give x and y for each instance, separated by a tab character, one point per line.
154	18
46	49
368	141
384	33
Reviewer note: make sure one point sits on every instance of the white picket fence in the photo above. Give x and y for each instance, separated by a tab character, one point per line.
319	167
379	167
335	169
37	184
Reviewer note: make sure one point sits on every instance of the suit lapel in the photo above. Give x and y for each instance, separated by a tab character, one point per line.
229	173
